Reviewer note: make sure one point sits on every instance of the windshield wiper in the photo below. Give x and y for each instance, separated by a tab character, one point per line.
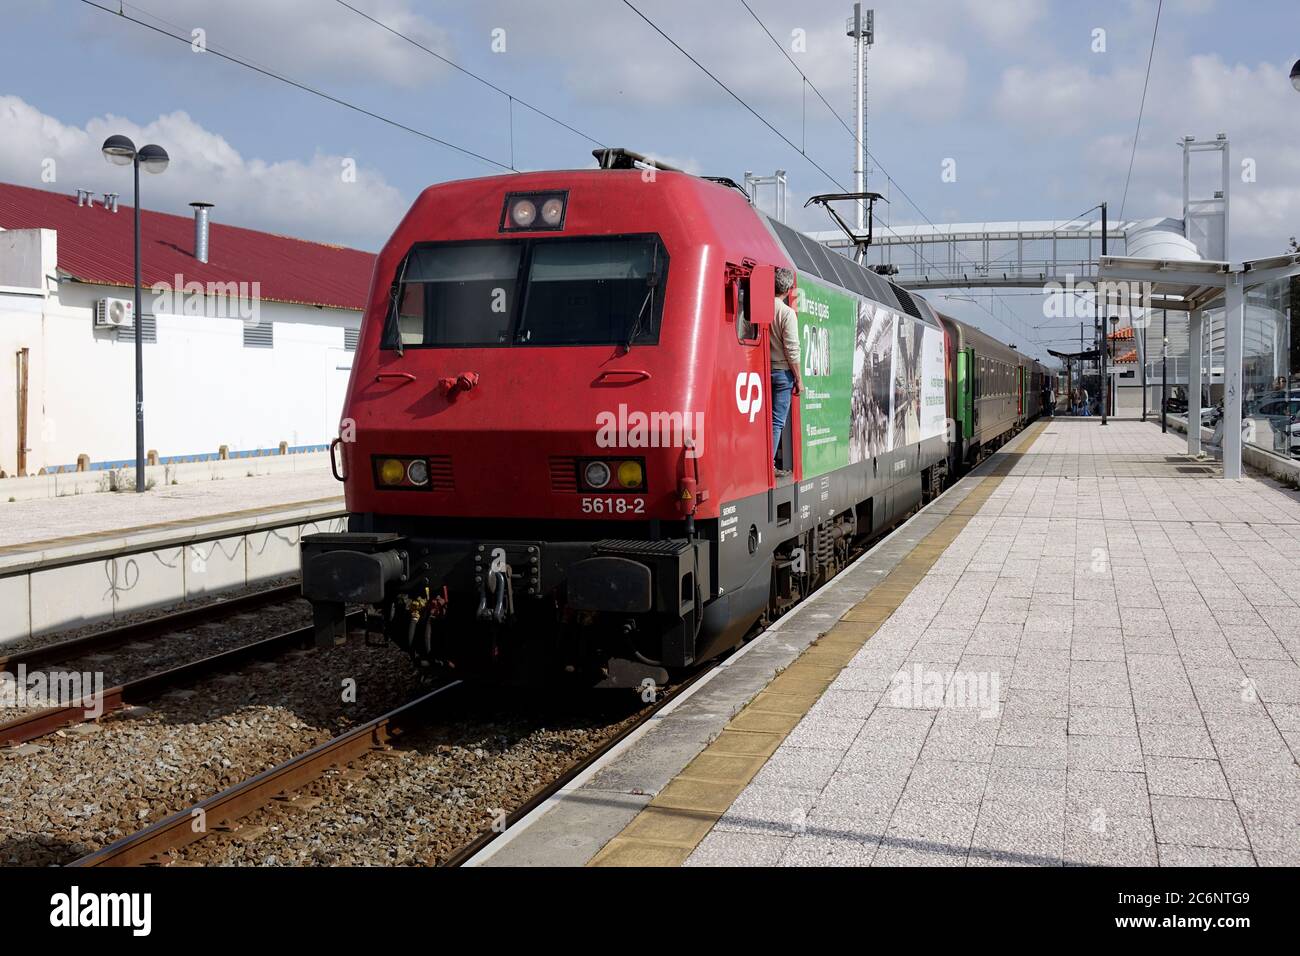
651	281
394	305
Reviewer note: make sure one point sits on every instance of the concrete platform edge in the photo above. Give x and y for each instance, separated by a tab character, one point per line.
106	577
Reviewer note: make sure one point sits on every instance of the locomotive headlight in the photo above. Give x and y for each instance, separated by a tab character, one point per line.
630	474
417	472
392	471
596	474
540	211
553	211
523	213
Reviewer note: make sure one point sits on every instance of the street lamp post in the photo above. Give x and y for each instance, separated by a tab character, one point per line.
1105	349
1112	387
119	150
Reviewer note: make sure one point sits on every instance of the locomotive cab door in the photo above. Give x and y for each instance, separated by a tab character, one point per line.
760	309
750	303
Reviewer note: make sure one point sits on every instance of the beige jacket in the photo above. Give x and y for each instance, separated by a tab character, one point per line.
785	338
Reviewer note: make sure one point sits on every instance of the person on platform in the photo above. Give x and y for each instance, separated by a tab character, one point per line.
784	349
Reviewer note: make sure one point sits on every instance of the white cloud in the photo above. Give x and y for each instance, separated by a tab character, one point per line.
1005	21
611	56
306	197
1092	117
1066	97
304	39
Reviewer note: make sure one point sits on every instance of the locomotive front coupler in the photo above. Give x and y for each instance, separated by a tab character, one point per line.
496	599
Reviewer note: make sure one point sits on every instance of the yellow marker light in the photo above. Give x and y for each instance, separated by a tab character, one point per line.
391	472
630	474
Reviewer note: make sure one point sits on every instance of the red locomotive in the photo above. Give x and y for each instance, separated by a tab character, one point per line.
556	444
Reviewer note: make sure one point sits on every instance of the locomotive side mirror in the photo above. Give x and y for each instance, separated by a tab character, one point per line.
762	295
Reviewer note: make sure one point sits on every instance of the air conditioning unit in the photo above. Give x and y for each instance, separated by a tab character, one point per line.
114	314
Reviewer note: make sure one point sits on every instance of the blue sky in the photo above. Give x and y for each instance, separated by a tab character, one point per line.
1039	124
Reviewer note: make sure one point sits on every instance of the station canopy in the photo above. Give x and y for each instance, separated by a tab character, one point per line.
1193	286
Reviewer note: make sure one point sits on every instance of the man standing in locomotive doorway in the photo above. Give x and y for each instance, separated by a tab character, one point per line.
786	366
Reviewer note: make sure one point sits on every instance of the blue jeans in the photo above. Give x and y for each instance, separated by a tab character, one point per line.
782	392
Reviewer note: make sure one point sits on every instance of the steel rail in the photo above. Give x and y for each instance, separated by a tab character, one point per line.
219	812
144	630
45	721
472	848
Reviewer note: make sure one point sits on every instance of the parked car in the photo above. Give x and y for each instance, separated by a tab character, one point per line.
1277	423
1176	404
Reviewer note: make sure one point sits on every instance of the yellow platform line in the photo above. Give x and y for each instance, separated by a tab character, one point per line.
672	825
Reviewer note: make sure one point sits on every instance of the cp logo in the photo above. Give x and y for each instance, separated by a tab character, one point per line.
749	394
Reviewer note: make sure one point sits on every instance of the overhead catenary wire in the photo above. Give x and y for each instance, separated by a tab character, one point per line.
249	65
759	116
470	73
1141	108
870	155
809	84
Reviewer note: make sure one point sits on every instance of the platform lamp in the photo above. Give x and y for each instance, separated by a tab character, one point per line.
1295	75
120	151
1106	398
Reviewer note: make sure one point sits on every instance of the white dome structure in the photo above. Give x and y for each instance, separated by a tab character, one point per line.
1159	239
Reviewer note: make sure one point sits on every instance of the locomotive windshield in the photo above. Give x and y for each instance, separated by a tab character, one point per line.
549	291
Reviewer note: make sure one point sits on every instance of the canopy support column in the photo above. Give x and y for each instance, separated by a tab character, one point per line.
1194	382
1234	317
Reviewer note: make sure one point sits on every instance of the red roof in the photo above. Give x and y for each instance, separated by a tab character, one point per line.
95	245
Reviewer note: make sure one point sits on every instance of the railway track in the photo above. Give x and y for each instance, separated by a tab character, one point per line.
469	850
147	629
39	723
221	811
156	844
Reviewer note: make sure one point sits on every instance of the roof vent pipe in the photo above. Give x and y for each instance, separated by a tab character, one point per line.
110	201
201	230
84	197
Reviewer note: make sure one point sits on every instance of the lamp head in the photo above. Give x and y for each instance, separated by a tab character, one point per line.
119	150
153	158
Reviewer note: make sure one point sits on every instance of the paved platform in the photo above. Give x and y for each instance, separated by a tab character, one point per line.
1084	654
28	524
81	559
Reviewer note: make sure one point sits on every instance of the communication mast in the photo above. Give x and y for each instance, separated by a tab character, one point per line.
861	28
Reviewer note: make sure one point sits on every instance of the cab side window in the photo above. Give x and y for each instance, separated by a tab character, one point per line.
738	303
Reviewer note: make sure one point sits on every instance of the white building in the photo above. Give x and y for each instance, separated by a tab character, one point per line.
253	352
